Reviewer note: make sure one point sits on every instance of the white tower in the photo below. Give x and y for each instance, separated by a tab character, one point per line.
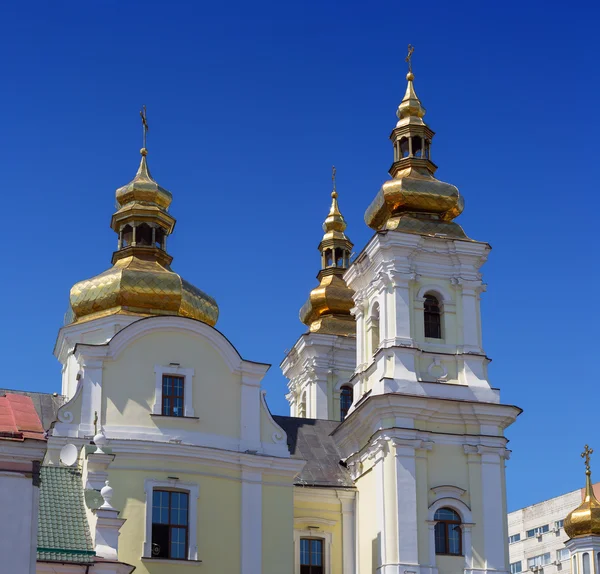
322	361
425	437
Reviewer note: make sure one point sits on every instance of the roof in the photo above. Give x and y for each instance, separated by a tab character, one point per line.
311	440
63	530
46	404
19	419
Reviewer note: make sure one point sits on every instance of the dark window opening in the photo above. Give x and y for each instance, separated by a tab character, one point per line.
159	236
346	397
170	524
311	556
126	236
417	146
448	533
403	147
328	258
433	317
339	257
172	396
143	235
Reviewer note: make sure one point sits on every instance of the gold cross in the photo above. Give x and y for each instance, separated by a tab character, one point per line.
144	125
333	177
408	58
587	451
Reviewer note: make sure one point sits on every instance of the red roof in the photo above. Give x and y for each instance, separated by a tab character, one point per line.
19	419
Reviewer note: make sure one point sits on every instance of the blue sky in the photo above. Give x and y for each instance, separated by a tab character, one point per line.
249	105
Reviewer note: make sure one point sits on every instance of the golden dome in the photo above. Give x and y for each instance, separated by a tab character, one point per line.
414	201
141	282
585	519
327	309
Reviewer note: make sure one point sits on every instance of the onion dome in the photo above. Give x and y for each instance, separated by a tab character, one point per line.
414	201
141	281
327	309
585	519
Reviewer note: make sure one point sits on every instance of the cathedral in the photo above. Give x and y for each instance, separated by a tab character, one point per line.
392	458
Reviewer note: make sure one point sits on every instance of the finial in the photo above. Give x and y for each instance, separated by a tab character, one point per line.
410	76
334	191
144	151
107	494
587	452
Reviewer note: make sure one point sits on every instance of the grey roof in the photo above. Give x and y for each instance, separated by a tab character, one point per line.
46	404
63	530
311	440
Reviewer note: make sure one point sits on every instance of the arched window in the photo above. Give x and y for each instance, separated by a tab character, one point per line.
448	533
417	145
302	406
328	258
433	317
127	236
404	148
143	234
586	563
375	328
346	397
574	568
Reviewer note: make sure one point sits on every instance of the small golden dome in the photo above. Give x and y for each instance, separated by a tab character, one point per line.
585	519
141	281
327	309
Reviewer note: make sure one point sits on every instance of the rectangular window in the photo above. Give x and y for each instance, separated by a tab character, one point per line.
170	524
538	531
540	560
559	524
516	567
311	556
563	554
172	395
514	538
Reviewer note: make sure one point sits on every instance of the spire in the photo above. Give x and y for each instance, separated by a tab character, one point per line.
585	519
414	201
328	307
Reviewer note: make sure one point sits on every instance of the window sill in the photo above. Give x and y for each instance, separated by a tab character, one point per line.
454	555
172	417
170	560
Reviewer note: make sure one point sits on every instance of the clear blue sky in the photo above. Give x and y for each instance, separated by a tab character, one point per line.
249	105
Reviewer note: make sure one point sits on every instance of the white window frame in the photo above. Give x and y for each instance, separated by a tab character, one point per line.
175	371
560	555
539	562
150	485
514	541
327	538
520	563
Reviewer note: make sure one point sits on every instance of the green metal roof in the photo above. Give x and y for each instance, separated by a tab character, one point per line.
63	530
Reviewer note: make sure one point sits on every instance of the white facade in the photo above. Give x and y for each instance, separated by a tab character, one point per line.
317	367
537	538
19	503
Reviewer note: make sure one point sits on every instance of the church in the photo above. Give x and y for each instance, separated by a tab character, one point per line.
392	459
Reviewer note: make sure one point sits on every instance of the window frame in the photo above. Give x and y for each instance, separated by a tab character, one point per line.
560	557
322	541
343	414
439	314
537	531
517	538
327	538
169	525
510	567
193	492
174	371
541	563
446	524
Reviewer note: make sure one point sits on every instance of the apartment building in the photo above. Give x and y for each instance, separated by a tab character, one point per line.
536	537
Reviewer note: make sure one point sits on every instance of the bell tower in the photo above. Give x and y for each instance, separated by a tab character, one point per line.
322	361
424	439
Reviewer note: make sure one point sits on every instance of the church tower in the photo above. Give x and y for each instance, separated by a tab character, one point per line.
424	439
583	528
322	361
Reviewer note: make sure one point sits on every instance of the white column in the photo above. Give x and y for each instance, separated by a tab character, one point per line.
91	401
347	501
250	414
400	313
470	304
467	545
406	501
321	410
359	313
380	502
251	534
493	496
